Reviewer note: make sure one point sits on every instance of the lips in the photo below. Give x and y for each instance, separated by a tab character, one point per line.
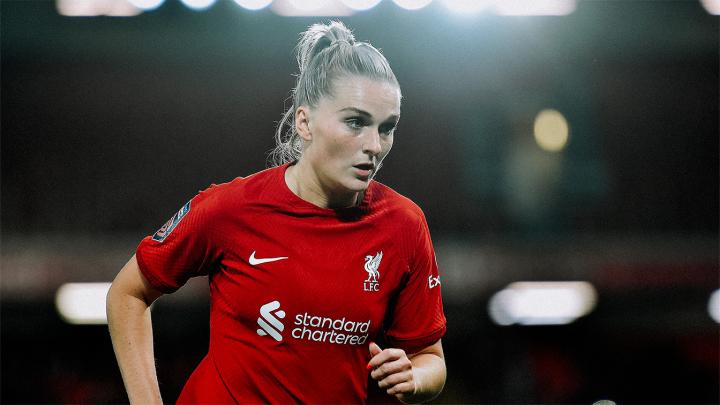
364	169
365	166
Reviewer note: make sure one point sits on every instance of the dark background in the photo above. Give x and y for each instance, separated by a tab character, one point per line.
110	124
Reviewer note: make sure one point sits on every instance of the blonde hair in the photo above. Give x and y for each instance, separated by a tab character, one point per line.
324	53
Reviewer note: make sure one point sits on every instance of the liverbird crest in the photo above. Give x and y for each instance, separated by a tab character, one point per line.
371	266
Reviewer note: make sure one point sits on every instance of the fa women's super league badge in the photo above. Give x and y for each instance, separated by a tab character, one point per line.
372	263
166	229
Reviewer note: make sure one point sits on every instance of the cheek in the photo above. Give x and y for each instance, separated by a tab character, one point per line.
386	146
338	145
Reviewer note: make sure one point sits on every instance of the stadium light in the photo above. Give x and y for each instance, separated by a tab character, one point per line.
412	4
551	130
361	5
82	303
714	306
535	7
711	6
542	303
309	5
253	4
198	5
467	6
311	8
86	8
147	5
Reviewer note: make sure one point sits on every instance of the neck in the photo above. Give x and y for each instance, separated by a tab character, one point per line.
304	183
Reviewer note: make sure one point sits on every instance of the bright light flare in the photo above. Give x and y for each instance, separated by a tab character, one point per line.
312	8
147	5
82	303
542	303
198	5
93	8
714	306
551	130
309	5
535	7
412	4
361	4
467	6
711	6
253	4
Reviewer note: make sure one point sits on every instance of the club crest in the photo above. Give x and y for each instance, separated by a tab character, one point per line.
372	264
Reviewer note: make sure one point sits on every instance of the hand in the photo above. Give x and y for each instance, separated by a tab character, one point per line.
393	371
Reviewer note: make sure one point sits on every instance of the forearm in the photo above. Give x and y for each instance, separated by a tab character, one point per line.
131	332
429	373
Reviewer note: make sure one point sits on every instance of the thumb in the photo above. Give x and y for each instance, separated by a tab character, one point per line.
374	349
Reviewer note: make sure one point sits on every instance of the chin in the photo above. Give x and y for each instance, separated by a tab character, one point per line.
358	185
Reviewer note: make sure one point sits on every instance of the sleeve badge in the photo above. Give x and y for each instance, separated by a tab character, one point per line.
166	229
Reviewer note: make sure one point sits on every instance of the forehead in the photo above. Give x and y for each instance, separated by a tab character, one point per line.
378	97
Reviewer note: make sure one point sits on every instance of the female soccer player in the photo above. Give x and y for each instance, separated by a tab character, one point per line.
308	261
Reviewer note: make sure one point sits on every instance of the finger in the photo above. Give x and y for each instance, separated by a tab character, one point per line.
401	390
385	356
393	367
395	379
380	356
374	349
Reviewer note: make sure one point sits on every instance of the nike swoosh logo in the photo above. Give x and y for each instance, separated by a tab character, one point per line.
254	261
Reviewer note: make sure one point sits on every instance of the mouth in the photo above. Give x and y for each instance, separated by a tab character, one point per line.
364	169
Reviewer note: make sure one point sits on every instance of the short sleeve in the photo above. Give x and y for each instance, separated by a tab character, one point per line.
182	248
418	320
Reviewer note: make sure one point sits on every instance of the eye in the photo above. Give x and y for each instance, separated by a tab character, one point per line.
387	129
355	122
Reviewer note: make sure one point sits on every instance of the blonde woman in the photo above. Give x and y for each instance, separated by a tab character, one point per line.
308	261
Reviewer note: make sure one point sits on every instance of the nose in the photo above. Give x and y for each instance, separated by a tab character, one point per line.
371	143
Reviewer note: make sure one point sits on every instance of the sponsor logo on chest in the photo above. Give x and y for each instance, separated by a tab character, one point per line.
316	328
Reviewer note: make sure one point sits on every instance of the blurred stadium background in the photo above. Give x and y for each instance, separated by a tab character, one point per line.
565	153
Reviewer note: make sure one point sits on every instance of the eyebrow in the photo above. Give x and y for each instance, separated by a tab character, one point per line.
393	118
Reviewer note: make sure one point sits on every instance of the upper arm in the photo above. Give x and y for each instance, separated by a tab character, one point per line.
187	245
130	281
417	318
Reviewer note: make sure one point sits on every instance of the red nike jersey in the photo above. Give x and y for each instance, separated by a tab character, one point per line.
297	291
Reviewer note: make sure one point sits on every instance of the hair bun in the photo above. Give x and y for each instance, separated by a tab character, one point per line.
319	37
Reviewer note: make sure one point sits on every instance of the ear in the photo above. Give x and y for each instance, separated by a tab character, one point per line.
302	122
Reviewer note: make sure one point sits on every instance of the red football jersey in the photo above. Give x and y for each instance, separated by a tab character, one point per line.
297	291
